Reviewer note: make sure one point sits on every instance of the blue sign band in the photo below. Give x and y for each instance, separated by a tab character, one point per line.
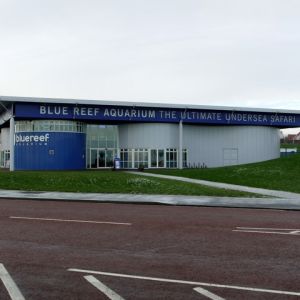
147	114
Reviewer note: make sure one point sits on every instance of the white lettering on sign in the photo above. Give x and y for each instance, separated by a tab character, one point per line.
245	117
43	138
54	110
86	111
201	116
283	119
168	114
140	113
129	113
64	111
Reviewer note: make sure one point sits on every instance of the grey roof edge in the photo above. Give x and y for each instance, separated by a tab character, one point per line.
142	104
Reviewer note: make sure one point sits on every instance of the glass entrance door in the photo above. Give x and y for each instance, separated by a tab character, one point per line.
157	158
109	158
93	158
102	158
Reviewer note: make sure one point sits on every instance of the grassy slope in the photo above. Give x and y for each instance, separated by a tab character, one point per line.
104	182
290	146
279	174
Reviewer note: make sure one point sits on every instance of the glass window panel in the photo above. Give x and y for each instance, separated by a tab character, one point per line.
171	156
161	158
130	156
136	155
93	158
110	144
49	125
102	144
94	144
153	154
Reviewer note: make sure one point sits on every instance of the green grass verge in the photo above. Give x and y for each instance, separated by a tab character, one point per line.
289	146
105	182
279	174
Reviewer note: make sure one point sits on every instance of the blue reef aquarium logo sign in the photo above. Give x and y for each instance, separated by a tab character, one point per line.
32	139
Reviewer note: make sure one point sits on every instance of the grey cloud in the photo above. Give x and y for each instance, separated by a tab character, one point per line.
200	52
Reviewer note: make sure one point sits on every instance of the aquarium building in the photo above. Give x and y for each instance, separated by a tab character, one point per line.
68	134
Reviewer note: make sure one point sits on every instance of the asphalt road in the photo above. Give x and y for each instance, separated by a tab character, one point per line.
131	251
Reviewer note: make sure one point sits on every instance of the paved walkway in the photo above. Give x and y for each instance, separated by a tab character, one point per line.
272	203
265	192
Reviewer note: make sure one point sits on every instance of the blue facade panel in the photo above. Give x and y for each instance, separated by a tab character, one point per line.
50	151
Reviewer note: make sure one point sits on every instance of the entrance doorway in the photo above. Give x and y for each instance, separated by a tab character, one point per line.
102	158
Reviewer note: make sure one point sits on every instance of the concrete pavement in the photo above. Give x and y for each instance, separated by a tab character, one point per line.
272	203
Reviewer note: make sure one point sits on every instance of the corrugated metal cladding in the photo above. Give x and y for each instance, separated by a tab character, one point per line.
219	146
210	146
50	151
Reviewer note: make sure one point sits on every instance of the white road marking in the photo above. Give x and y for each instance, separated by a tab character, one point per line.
208	294
268	230
262	228
187	282
103	288
75	221
10	285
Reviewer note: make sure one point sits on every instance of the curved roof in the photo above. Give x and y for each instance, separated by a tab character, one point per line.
8	100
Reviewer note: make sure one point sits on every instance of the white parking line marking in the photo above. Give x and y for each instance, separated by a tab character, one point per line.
10	285
103	288
187	282
208	294
75	221
268	230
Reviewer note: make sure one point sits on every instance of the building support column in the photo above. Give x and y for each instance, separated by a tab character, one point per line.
12	143
180	145
118	143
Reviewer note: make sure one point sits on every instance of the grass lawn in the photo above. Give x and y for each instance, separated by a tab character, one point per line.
278	174
289	146
105	182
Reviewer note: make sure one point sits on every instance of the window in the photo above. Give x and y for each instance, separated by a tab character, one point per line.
141	158
157	158
102	136
184	158
49	125
4	158
126	158
153	158
1	159
161	158
171	158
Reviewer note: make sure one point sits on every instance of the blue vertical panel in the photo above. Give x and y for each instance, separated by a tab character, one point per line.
50	151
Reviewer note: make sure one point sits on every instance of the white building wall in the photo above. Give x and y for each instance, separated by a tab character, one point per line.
4	139
229	145
213	146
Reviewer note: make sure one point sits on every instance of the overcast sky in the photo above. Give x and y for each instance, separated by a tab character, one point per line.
215	52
